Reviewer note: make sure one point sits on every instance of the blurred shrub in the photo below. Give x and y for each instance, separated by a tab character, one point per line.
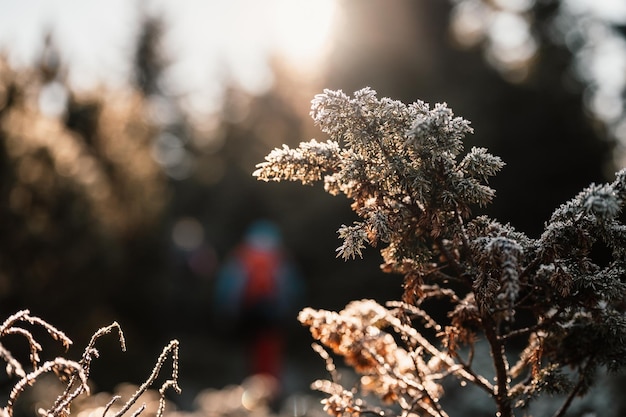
78	190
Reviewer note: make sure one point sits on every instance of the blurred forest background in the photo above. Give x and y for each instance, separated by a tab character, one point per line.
121	200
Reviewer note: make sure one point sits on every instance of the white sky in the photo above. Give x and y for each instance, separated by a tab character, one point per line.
206	39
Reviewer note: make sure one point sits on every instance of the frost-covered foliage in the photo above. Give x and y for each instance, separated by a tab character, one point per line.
413	188
74	375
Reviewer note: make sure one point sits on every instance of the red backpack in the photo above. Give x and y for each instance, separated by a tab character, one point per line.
261	268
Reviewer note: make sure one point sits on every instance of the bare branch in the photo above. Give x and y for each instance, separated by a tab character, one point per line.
58	365
170	349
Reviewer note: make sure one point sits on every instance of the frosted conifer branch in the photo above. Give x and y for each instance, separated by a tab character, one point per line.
437	130
353	238
505	254
601	202
478	163
413	191
382	147
307	163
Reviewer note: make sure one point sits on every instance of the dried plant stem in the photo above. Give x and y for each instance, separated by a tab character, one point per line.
171	348
14	367
35	347
24	315
77	373
450	363
60	365
65	399
108	405
139	410
330	365
436	406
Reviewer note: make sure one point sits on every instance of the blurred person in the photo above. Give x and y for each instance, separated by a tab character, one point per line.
257	288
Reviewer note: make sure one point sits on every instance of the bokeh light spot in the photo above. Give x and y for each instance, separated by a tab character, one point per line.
188	233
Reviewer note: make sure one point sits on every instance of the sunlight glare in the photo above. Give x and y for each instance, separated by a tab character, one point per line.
236	41
302	33
208	44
